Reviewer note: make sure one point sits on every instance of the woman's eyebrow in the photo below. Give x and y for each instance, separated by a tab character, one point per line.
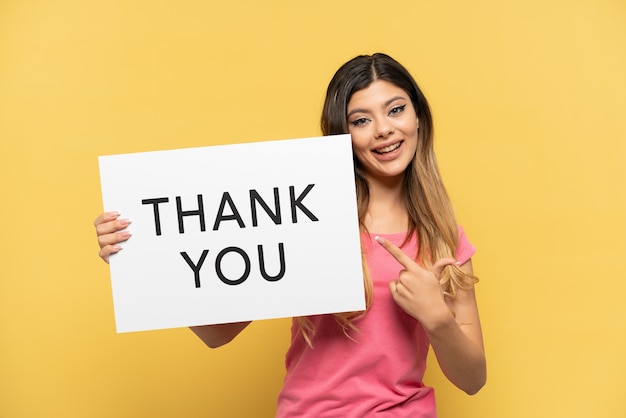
357	110
387	103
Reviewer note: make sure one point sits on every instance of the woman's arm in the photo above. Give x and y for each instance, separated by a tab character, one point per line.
217	335
457	340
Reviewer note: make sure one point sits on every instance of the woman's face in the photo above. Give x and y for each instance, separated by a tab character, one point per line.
383	124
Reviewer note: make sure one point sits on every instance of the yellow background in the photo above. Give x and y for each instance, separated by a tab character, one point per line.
530	111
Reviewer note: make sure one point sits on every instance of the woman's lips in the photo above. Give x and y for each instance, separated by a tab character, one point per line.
387	149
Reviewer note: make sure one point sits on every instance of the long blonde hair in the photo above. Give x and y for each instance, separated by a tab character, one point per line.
430	212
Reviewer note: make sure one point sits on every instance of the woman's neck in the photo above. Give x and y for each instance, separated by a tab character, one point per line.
386	211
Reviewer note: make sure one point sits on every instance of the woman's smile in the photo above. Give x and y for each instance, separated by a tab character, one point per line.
385	150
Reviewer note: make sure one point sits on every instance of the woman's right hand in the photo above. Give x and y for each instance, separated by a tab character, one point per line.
110	231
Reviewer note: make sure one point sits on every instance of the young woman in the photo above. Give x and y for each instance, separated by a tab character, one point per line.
417	266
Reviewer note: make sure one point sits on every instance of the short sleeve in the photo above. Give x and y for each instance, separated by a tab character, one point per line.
464	250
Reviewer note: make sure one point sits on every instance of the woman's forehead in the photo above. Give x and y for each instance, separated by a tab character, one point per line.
379	92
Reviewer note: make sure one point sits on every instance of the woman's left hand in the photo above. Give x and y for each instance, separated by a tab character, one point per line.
417	290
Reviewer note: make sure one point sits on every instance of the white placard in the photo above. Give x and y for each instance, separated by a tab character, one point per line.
234	233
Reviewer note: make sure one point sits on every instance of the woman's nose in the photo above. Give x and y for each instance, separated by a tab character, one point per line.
383	129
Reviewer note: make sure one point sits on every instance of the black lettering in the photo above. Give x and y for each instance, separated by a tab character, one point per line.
275	215
298	203
199	212
220	213
195	267
155	205
218	265
281	254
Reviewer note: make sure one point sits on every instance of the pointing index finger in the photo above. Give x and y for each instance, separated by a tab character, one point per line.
396	252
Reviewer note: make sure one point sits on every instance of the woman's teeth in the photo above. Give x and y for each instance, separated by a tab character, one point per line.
387	148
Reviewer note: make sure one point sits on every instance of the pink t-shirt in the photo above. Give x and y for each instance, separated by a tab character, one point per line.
378	373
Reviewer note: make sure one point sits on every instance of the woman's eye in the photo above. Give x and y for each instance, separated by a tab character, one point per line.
397	109
359	122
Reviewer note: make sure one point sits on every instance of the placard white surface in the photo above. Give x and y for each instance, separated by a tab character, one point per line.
206	226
